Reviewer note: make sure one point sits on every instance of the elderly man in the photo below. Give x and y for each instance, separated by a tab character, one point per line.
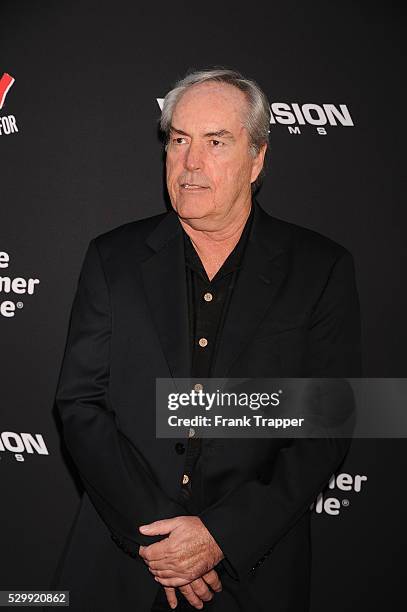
216	287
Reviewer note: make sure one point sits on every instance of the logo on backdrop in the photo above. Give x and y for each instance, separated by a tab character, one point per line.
327	504
20	444
320	116
17	286
8	123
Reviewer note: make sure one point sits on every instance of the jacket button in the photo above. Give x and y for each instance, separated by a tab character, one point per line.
180	448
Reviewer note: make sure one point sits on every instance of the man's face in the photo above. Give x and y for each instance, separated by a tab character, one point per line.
209	164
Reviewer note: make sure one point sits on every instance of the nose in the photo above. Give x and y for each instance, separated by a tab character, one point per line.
193	157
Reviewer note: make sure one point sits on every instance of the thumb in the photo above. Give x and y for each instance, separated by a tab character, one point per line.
158	527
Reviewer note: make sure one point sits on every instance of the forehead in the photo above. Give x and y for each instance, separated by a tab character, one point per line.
207	105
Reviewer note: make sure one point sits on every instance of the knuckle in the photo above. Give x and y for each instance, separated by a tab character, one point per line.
211	578
199	592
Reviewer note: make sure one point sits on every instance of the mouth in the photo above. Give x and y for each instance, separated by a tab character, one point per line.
192	187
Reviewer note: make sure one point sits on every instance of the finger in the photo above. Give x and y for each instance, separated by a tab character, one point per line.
201	589
190	596
171	596
159	527
154	552
213	580
164	573
173	582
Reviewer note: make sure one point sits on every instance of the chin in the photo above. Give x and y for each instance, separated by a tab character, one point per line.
191	209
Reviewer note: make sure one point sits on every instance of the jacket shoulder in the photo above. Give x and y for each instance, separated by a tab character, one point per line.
308	243
132	234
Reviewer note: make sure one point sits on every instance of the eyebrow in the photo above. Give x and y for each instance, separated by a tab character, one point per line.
219	133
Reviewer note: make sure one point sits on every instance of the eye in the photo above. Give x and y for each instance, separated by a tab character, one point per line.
178	140
217	143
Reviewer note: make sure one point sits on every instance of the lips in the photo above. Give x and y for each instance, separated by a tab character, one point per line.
192	186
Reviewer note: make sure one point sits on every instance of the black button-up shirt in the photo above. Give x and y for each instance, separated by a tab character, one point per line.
208	303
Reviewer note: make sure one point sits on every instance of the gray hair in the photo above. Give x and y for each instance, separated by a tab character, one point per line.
257	120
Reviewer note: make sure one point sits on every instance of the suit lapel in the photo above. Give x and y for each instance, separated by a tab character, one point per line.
262	273
164	282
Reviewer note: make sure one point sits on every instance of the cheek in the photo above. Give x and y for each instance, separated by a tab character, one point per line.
230	176
221	172
172	172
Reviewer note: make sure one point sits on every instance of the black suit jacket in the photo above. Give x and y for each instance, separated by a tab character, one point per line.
295	313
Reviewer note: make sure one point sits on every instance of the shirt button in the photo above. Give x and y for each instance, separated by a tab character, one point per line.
179	448
208	297
185	479
198	387
191	432
202	341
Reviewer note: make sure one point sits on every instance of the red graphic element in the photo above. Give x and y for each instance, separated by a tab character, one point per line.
6	82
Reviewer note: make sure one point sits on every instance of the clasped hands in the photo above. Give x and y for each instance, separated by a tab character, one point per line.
185	559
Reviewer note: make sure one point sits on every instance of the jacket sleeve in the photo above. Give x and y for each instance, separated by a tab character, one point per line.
118	482
266	511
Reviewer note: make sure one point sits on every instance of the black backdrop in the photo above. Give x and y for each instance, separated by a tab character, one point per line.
86	158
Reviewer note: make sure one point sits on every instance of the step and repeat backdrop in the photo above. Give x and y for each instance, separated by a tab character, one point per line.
81	84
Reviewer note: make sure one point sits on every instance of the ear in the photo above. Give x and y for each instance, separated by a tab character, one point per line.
258	163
